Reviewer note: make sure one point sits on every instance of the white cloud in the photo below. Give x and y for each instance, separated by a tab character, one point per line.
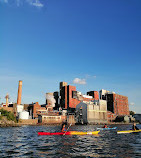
79	81
35	3
132	103
90	76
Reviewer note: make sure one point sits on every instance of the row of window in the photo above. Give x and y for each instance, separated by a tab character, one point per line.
51	117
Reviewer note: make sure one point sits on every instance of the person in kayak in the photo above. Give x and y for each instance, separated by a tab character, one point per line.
105	126
134	127
63	128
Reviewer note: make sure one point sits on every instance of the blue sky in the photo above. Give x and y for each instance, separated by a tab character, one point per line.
43	42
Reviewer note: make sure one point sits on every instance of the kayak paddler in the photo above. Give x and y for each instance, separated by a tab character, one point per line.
134	127
105	126
63	128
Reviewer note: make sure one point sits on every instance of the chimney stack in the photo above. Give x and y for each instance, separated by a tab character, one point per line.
7	102
19	93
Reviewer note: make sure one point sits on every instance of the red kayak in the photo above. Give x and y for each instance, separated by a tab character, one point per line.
69	133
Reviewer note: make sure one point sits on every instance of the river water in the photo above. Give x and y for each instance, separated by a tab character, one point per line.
24	142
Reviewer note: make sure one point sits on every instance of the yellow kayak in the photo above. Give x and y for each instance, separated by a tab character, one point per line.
129	131
83	133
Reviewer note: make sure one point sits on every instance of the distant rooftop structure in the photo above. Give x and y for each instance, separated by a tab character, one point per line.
87	96
103	93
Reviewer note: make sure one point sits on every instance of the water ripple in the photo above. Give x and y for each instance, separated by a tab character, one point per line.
24	142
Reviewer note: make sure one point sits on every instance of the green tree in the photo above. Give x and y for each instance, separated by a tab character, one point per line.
132	113
8	114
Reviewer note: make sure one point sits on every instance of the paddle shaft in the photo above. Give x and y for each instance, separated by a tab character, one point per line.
67	129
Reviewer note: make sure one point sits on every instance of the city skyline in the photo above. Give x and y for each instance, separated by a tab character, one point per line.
93	45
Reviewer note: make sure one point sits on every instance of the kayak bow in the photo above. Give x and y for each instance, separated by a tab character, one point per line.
69	133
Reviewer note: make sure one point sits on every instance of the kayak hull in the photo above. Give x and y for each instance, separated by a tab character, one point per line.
129	131
107	128
69	133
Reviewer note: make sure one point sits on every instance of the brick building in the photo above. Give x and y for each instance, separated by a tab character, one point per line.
62	94
68	99
94	94
118	104
34	108
51	118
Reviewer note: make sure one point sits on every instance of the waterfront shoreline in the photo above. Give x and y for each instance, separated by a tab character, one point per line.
22	124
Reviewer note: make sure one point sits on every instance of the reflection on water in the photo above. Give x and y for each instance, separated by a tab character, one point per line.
24	142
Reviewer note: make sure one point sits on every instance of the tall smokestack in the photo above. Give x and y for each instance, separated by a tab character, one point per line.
7	102
19	93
